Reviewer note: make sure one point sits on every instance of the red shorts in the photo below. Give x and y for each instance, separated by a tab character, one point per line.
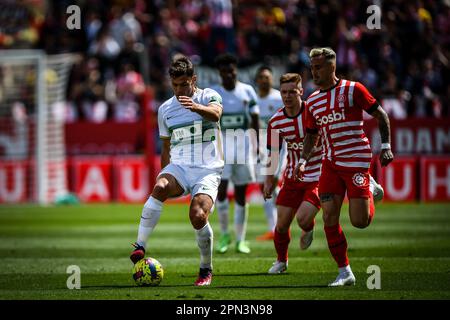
293	193
336	181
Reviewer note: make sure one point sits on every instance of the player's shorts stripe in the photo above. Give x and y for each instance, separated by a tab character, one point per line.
346	124
346	133
349	141
364	147
353	164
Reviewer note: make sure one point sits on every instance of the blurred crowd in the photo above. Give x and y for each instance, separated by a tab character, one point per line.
127	45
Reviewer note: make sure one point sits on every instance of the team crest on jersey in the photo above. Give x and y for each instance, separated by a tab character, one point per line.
341	98
360	180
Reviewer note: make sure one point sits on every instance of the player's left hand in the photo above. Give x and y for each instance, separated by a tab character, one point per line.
187	103
386	157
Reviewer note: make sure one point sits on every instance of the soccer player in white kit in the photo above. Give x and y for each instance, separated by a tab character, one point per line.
269	101
240	112
191	161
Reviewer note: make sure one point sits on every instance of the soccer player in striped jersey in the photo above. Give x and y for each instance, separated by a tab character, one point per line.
191	161
298	199
269	101
335	112
240	113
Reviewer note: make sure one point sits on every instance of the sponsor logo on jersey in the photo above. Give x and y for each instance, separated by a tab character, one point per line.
360	179
332	117
295	145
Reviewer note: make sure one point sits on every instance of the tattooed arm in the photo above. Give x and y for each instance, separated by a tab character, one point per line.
386	155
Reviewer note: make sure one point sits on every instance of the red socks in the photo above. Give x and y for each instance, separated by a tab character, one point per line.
337	244
281	242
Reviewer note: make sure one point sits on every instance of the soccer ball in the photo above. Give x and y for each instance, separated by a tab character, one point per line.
148	272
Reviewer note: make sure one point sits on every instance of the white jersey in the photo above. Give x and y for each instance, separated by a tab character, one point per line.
194	141
268	105
238	106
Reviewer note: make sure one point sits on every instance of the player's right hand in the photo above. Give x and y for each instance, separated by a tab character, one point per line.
268	189
299	171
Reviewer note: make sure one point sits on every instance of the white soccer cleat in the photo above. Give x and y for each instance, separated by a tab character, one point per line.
278	267
378	191
306	239
344	279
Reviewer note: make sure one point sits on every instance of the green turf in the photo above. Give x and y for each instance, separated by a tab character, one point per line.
409	242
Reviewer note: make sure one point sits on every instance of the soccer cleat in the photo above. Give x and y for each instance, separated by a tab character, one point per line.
378	191
138	253
278	267
224	241
306	239
344	279
242	247
269	235
204	277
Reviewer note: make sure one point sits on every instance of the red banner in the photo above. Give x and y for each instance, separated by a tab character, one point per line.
104	138
435	178
13	181
399	179
413	136
131	179
92	178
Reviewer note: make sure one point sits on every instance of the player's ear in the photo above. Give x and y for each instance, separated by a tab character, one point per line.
300	90
194	79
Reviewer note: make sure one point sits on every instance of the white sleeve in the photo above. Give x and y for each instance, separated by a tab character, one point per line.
213	97
163	129
253	104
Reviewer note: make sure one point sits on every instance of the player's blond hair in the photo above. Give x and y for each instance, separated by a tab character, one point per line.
328	53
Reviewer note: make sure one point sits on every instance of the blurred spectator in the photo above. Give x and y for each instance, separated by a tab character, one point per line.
130	86
406	63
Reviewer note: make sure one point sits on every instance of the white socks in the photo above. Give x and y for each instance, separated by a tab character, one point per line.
270	211
223	212
345	269
149	218
240	221
204	241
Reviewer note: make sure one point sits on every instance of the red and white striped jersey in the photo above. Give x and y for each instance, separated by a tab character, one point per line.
293	130
337	114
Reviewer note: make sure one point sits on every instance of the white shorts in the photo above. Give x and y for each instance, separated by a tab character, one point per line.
239	174
195	180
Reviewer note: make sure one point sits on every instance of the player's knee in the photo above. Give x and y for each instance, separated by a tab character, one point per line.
198	216
282	228
360	223
303	222
160	190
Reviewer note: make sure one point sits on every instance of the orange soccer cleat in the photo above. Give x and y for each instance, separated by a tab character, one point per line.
269	235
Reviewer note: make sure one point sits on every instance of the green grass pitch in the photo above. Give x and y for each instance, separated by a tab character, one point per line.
409	242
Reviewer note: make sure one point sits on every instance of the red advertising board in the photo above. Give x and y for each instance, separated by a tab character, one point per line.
13	181
413	136
435	178
92	178
399	179
131	182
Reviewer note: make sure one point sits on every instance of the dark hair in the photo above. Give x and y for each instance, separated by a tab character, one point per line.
291	77
262	68
181	66
225	59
